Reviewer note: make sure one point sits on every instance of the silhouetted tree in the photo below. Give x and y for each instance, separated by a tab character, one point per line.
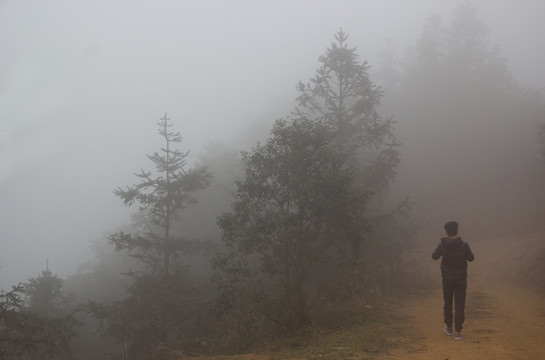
470	57
298	211
300	217
160	300
160	199
457	59
342	95
154	311
27	335
100	280
466	125
46	297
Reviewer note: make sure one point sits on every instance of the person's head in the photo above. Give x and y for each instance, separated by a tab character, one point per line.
451	228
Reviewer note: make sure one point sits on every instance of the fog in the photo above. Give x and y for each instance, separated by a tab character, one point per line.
83	83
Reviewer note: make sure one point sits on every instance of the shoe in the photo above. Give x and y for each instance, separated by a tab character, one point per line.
458	336
448	331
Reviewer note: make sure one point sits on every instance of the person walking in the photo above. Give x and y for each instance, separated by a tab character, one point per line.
455	254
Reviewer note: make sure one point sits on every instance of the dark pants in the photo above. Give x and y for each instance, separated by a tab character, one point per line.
454	288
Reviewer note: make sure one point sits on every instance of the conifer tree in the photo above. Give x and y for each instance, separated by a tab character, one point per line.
300	217
342	95
37	320
161	297
161	199
46	296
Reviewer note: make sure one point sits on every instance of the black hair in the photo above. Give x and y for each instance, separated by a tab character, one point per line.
452	228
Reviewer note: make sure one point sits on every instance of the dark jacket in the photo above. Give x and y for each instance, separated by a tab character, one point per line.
456	253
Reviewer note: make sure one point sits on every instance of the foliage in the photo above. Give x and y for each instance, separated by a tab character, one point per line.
160	302
160	200
388	242
27	335
100	280
46	296
342	95
300	223
468	128
457	59
154	311
298	213
300	220
468	54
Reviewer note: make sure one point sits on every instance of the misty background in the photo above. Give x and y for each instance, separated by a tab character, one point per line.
82	85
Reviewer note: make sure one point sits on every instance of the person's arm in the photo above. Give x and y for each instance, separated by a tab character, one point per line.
437	253
469	254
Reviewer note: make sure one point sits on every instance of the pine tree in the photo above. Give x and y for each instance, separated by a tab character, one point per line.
161	298
301	212
342	94
36	320
46	297
161	199
299	216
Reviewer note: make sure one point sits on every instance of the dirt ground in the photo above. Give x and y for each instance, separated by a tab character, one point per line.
505	313
505	309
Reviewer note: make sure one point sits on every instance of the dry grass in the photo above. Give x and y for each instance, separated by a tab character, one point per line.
356	331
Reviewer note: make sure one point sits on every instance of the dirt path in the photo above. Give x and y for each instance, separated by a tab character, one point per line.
505	315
